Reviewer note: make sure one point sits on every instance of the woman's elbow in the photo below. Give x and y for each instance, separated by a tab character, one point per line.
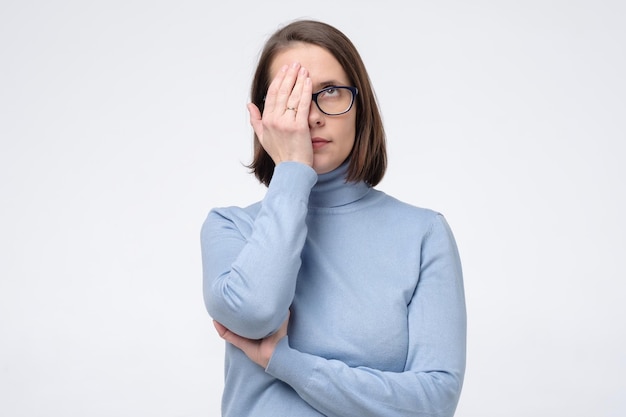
253	319
447	391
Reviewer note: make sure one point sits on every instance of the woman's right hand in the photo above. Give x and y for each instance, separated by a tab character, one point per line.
283	129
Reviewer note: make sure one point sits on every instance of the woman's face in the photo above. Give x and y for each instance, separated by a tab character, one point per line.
332	136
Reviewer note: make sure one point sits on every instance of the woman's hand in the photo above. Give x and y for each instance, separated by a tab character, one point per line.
259	351
283	129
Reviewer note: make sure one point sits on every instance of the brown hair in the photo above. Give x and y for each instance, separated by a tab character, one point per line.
368	158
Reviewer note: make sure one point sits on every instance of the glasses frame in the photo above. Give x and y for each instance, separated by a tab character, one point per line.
352	90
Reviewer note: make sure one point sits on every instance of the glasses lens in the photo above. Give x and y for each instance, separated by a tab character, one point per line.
335	100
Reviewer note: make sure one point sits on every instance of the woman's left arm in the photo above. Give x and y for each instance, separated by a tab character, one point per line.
431	382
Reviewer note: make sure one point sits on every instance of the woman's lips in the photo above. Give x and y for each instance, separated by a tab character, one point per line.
319	143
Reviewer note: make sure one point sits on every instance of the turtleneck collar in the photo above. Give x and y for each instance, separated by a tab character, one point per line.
332	190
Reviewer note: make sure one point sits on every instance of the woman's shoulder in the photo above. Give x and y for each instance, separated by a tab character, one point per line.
405	218
225	217
235	211
404	208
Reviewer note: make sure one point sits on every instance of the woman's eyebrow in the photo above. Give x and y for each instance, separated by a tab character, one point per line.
328	83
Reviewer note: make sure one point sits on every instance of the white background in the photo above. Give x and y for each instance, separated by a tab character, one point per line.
123	122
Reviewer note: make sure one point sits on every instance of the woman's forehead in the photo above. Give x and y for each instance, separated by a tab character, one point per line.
322	66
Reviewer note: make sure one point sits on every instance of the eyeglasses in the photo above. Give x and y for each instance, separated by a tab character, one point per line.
335	100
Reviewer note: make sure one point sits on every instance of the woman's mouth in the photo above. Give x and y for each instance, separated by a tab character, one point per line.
319	143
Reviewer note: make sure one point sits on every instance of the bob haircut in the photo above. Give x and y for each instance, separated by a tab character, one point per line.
368	158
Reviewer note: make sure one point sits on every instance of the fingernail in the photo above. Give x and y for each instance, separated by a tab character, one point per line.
295	65
284	68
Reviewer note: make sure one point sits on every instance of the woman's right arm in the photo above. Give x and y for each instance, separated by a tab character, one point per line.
250	266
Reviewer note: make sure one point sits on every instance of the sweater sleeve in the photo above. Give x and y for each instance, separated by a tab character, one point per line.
250	266
430	384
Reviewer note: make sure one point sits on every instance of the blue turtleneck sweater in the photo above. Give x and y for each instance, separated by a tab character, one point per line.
375	289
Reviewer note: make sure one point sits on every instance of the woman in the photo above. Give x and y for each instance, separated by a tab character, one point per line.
335	298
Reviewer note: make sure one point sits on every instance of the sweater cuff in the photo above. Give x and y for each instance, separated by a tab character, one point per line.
289	365
294	179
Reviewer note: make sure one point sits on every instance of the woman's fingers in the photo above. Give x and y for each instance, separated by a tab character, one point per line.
232	338
272	91
286	90
294	99
305	104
